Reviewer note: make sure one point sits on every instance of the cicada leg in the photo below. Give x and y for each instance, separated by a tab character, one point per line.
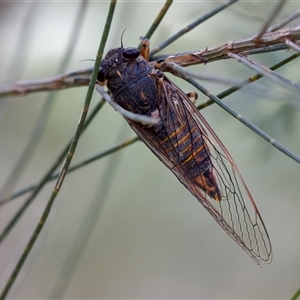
193	96
145	48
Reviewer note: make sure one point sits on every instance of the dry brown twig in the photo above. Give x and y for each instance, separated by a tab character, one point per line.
270	41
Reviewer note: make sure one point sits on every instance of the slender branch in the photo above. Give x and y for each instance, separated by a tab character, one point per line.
286	21
238	47
276	10
242	46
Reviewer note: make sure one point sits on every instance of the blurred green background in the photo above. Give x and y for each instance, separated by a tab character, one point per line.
124	227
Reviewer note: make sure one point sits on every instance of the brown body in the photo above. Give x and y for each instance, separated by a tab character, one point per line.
187	145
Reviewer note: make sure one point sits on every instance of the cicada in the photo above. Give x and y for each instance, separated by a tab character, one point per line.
186	144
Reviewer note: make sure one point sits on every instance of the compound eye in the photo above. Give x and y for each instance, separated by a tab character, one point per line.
131	53
101	75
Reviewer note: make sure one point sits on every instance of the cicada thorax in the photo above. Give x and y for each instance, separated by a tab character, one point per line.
128	78
139	88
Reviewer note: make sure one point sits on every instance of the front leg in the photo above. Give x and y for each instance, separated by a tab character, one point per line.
193	96
145	48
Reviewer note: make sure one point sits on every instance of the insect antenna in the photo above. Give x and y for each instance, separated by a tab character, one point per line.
122	37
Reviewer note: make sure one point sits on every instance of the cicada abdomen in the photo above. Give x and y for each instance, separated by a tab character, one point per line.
186	144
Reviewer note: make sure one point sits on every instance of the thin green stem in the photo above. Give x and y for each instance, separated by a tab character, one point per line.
296	295
158	19
246	82
67	162
192	25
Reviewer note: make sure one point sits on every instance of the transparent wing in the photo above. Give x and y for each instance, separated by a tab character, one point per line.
235	210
